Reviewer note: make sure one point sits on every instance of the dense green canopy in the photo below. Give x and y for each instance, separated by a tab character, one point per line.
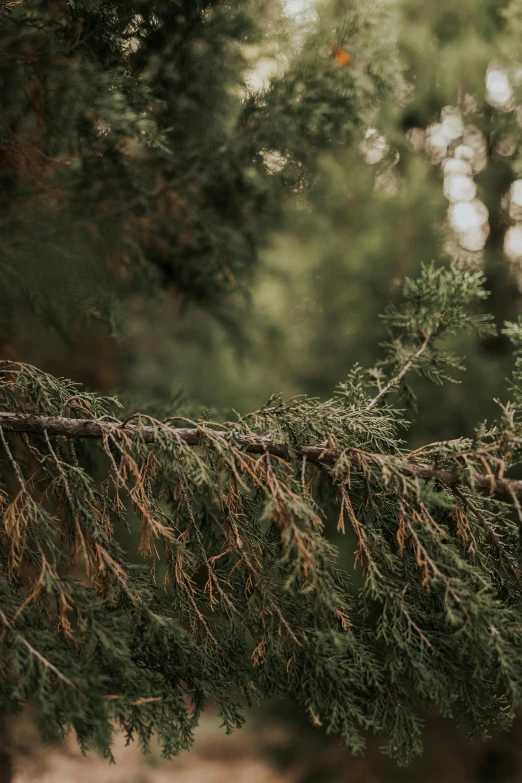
132	153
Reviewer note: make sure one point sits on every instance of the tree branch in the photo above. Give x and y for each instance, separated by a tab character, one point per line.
502	488
400	375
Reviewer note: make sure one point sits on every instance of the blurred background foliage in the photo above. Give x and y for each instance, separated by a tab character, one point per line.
436	178
267	268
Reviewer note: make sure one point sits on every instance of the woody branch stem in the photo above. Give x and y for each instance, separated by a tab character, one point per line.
503	488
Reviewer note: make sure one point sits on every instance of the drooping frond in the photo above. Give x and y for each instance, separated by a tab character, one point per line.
234	592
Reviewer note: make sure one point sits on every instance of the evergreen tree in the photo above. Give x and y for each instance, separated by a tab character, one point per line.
132	151
379	210
131	156
252	602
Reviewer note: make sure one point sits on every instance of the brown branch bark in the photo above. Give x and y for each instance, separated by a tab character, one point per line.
502	488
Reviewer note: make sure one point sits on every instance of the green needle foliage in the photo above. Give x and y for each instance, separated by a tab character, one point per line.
134	157
236	593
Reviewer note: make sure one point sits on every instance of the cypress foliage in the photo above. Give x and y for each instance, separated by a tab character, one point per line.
137	160
251	602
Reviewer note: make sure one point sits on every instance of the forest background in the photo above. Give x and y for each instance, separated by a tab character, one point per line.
436	175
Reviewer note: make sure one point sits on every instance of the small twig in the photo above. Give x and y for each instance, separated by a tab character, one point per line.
48	665
398	378
490	530
13	462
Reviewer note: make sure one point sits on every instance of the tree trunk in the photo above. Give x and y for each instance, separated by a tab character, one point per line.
6	761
